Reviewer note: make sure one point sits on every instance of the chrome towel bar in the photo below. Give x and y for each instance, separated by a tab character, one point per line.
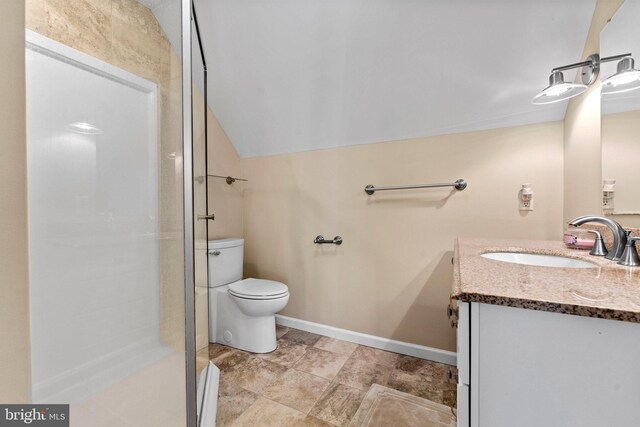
459	185
319	240
230	179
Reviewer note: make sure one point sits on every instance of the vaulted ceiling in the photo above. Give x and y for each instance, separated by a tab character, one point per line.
295	75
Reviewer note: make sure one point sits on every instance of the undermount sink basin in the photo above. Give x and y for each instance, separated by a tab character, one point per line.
538	260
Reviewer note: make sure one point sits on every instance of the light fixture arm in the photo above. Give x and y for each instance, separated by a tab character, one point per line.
592	60
559	90
615	57
589	62
593	63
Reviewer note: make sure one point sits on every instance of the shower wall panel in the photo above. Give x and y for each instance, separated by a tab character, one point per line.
93	221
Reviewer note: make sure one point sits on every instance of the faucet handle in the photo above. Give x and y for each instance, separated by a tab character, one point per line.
599	248
630	255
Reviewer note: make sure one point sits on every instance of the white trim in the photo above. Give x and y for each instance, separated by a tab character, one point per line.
409	349
64	53
38	43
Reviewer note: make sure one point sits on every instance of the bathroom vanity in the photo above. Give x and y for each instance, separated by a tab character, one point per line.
543	345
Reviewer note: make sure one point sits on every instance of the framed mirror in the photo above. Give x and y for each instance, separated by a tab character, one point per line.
620	109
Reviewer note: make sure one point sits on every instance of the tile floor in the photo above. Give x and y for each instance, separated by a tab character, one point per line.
384	407
312	380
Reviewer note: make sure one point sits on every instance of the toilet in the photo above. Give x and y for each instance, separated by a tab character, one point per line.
241	312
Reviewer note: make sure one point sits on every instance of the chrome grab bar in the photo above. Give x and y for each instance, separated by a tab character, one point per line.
459	185
319	240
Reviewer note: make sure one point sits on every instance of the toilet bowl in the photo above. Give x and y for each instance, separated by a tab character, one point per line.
241	312
257	298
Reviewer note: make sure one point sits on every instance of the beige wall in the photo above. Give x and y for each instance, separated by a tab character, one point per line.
582	147
124	33
620	156
224	200
392	275
15	360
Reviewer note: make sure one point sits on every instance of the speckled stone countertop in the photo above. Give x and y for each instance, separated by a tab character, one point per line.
608	291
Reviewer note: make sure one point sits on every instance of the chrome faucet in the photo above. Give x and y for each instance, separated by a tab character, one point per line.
619	233
630	255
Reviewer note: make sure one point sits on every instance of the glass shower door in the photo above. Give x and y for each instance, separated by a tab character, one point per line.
201	216
106	251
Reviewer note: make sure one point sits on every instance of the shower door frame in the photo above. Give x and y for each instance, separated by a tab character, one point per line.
205	179
188	38
189	230
189	192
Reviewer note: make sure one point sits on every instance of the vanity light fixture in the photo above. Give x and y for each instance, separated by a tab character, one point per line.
559	90
627	78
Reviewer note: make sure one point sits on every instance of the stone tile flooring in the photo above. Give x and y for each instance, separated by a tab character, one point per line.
383	407
312	380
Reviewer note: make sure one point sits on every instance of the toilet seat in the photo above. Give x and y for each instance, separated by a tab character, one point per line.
258	289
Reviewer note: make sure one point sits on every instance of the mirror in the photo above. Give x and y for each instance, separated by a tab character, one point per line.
621	116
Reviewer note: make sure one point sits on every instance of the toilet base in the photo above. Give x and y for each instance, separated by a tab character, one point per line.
229	326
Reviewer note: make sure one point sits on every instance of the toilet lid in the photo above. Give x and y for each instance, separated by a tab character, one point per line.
258	289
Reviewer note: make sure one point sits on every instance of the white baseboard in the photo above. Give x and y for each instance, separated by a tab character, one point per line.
409	349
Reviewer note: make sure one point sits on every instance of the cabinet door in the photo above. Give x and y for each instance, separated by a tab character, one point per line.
463	405
538	368
463	343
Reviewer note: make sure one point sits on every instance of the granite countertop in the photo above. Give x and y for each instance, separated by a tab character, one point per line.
608	291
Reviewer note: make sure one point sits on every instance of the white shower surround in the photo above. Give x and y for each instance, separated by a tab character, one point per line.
93	223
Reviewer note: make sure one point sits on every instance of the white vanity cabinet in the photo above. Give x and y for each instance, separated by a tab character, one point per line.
521	367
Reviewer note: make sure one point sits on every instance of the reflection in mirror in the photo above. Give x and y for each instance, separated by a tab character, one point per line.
621	115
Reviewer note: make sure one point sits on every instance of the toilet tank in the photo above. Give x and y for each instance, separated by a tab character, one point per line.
225	261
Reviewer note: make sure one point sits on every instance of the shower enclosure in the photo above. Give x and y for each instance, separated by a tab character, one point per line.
113	210
201	215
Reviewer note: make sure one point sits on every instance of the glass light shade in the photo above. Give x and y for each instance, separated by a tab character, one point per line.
627	78
558	90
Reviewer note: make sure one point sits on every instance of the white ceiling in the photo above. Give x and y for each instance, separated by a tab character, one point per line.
296	75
